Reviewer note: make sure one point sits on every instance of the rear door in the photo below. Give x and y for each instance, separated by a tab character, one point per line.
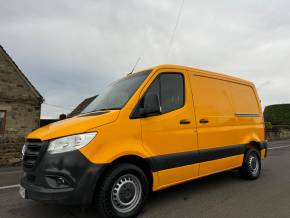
215	125
171	137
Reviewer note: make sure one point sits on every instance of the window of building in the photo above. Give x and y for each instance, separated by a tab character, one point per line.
2	121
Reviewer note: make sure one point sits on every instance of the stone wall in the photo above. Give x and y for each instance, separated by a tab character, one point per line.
278	134
21	119
10	148
21	102
13	86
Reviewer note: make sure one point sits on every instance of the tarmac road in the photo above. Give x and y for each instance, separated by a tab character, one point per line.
222	195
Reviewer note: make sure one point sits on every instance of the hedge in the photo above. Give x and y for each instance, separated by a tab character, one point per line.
268	126
278	114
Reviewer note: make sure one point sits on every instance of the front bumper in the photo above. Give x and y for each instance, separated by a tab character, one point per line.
67	178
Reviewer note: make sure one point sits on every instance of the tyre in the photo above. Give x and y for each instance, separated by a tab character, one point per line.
251	165
123	192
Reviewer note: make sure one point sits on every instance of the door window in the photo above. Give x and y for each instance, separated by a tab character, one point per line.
169	87
172	91
2	121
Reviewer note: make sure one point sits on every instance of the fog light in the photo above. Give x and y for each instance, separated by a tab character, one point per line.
57	182
60	181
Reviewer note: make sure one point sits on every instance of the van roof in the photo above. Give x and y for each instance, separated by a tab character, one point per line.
204	72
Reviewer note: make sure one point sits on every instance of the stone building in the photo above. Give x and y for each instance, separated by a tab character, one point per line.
20	105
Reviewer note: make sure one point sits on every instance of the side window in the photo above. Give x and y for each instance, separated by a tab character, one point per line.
2	121
154	88
169	87
172	91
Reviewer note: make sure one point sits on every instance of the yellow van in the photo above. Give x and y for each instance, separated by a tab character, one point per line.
147	131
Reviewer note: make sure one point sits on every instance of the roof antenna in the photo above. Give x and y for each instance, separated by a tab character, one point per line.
135	65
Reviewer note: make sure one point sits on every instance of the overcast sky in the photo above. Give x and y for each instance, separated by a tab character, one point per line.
71	50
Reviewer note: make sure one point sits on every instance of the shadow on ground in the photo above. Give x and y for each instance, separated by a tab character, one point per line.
182	192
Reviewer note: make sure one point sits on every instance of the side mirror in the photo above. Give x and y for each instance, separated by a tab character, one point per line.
151	105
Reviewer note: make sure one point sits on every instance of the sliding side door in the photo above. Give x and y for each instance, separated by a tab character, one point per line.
216	125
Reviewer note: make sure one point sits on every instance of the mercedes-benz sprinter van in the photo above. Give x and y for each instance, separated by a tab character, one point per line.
147	131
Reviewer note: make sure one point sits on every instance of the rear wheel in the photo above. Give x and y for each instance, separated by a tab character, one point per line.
252	164
123	192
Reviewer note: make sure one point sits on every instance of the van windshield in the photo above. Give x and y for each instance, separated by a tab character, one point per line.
116	95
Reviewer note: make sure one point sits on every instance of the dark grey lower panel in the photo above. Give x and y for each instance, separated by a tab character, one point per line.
168	161
78	174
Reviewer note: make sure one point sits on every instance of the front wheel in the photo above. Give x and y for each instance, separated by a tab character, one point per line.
122	192
252	164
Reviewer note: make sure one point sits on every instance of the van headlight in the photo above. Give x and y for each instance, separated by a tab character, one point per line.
70	143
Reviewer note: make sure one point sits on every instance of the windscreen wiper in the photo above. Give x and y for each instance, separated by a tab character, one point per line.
107	109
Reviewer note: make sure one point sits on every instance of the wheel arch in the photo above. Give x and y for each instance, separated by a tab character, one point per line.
255	144
133	159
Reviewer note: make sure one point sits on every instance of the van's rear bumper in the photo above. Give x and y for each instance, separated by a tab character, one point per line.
67	178
264	149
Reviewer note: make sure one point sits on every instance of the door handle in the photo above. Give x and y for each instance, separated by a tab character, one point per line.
183	122
203	121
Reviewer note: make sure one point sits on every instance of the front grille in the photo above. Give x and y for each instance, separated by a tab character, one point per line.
33	150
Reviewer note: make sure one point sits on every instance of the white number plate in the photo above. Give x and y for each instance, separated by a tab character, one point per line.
22	192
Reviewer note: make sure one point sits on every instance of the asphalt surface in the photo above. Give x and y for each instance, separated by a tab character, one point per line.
221	195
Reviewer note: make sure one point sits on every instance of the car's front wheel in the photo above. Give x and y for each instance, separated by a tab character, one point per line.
123	192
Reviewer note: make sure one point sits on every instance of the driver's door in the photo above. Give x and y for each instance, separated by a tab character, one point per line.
171	137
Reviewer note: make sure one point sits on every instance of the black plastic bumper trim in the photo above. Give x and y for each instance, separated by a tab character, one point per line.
168	161
80	176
